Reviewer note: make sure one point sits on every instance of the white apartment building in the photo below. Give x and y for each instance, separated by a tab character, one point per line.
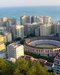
47	20
15	50
17	31
37	31
45	29
7	37
29	29
25	19
57	28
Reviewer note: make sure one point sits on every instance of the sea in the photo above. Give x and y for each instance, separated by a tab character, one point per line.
16	12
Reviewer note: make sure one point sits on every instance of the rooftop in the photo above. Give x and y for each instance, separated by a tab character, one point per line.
42	61
19	26
23	17
15	45
57	58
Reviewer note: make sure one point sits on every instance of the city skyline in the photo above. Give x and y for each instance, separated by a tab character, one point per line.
14	3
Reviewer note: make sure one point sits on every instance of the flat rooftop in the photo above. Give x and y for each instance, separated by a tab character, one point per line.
15	45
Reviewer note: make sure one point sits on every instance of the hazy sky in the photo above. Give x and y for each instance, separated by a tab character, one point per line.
6	3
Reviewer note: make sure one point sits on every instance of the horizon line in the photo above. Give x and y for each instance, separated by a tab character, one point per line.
31	6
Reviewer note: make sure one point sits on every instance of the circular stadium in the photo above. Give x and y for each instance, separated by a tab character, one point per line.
44	46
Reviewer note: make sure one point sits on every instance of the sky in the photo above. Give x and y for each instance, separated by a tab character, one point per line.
10	3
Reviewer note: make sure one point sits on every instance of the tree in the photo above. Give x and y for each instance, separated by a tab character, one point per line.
37	69
17	72
22	67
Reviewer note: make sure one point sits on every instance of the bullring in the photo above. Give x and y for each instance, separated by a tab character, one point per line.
44	46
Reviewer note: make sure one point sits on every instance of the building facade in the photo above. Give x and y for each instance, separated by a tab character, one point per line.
57	28
29	29
7	37
2	50
17	31
45	29
37	19
57	64
15	50
25	19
